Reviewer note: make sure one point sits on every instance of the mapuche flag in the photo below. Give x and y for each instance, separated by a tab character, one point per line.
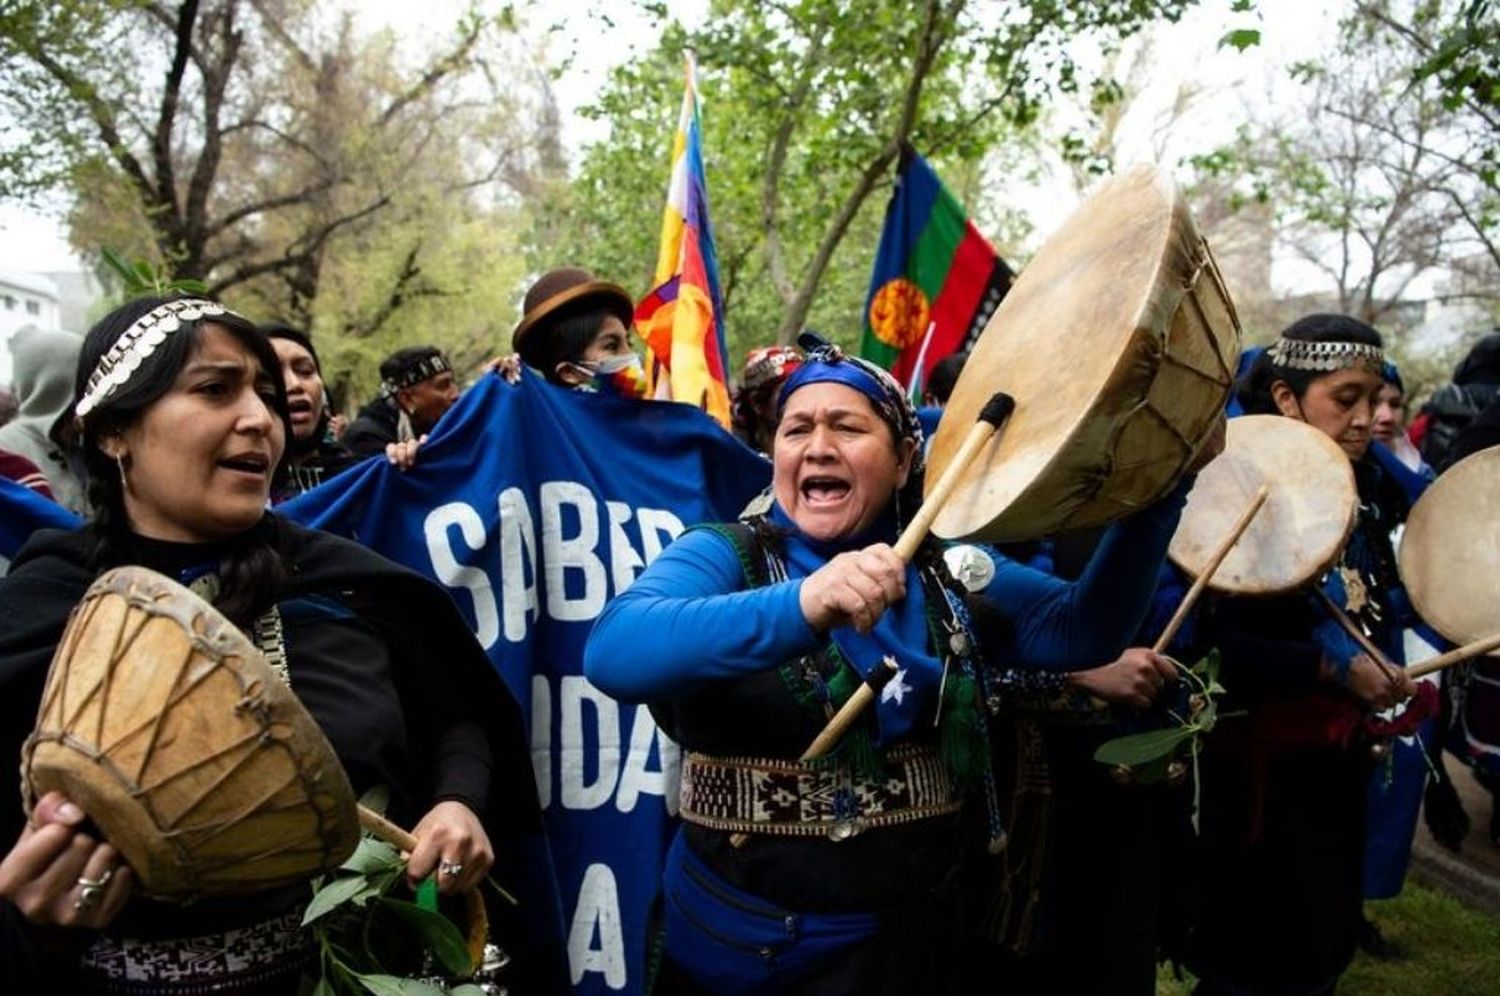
936	279
682	319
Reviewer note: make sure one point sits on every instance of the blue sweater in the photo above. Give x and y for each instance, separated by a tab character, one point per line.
687	620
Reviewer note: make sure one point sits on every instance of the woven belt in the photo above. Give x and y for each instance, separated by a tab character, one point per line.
240	959
796	798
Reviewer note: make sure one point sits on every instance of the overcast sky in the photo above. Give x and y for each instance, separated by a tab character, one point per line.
598	36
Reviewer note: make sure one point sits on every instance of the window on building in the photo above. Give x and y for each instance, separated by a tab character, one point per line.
33	307
10	302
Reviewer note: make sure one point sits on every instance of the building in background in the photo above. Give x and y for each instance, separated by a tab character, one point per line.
25	299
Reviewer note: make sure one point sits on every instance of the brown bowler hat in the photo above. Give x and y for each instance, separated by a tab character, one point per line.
570	288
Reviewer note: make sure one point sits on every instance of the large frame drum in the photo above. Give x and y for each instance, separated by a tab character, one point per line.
187	750
1450	550
1119	344
1310	508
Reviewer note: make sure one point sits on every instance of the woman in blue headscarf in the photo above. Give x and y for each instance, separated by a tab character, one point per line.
839	875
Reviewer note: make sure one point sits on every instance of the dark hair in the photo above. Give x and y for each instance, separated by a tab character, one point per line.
253	567
561	338
944	376
276	330
1254	388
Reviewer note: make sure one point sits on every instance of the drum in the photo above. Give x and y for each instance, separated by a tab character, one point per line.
1450	550
1301	529
1118	343
193	757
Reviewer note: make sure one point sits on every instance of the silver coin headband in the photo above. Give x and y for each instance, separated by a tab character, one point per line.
136	343
1300	354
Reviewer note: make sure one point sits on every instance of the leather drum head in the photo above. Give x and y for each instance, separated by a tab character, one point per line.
1297	534
1118	344
1450	551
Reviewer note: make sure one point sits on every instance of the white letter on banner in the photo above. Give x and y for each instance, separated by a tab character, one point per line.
654	522
517	561
624	562
558	554
576	794
541	737
635	779
598	907
455	575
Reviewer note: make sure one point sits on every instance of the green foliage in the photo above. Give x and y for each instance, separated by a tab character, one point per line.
802	107
1453	950
1240	39
1157	755
141	279
364	934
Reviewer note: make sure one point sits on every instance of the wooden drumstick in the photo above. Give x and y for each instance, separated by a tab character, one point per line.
850	710
1201	582
479	919
991	418
1455	656
1387	666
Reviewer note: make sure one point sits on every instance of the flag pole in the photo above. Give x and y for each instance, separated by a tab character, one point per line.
916	370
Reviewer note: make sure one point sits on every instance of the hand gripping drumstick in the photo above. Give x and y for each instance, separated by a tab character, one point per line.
991	418
1387	667
479	919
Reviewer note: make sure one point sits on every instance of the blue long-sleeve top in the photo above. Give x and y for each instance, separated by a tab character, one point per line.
688	621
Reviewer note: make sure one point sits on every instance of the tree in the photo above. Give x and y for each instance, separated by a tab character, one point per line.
805	107
297	167
1367	179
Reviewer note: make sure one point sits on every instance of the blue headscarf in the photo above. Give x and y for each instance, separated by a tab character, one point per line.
828	364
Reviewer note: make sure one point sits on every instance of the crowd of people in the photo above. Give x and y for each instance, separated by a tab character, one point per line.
960	826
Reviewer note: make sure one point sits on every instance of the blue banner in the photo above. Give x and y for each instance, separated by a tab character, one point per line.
534	506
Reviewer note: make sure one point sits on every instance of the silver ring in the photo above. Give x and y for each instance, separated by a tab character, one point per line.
449	868
88	897
97	883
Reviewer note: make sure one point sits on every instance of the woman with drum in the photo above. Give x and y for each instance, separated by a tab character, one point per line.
184	418
1284	788
840	874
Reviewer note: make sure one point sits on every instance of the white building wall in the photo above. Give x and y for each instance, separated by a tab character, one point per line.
25	299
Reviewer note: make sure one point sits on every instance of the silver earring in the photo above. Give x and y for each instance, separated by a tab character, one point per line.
120	462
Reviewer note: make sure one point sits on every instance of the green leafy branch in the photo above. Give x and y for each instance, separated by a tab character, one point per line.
371	942
1168	754
141	279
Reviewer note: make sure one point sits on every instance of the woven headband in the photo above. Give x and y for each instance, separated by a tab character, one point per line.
120	362
415	372
1301	354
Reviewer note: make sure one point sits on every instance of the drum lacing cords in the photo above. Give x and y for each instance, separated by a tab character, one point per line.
271	642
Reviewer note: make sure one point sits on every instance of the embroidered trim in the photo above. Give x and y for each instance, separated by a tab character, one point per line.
796	798
240	959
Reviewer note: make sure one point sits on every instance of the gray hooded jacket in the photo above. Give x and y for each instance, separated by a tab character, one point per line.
44	365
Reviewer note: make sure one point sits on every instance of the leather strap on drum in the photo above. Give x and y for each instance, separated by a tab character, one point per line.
802	799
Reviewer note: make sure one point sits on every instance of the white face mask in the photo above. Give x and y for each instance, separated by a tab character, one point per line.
623	375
